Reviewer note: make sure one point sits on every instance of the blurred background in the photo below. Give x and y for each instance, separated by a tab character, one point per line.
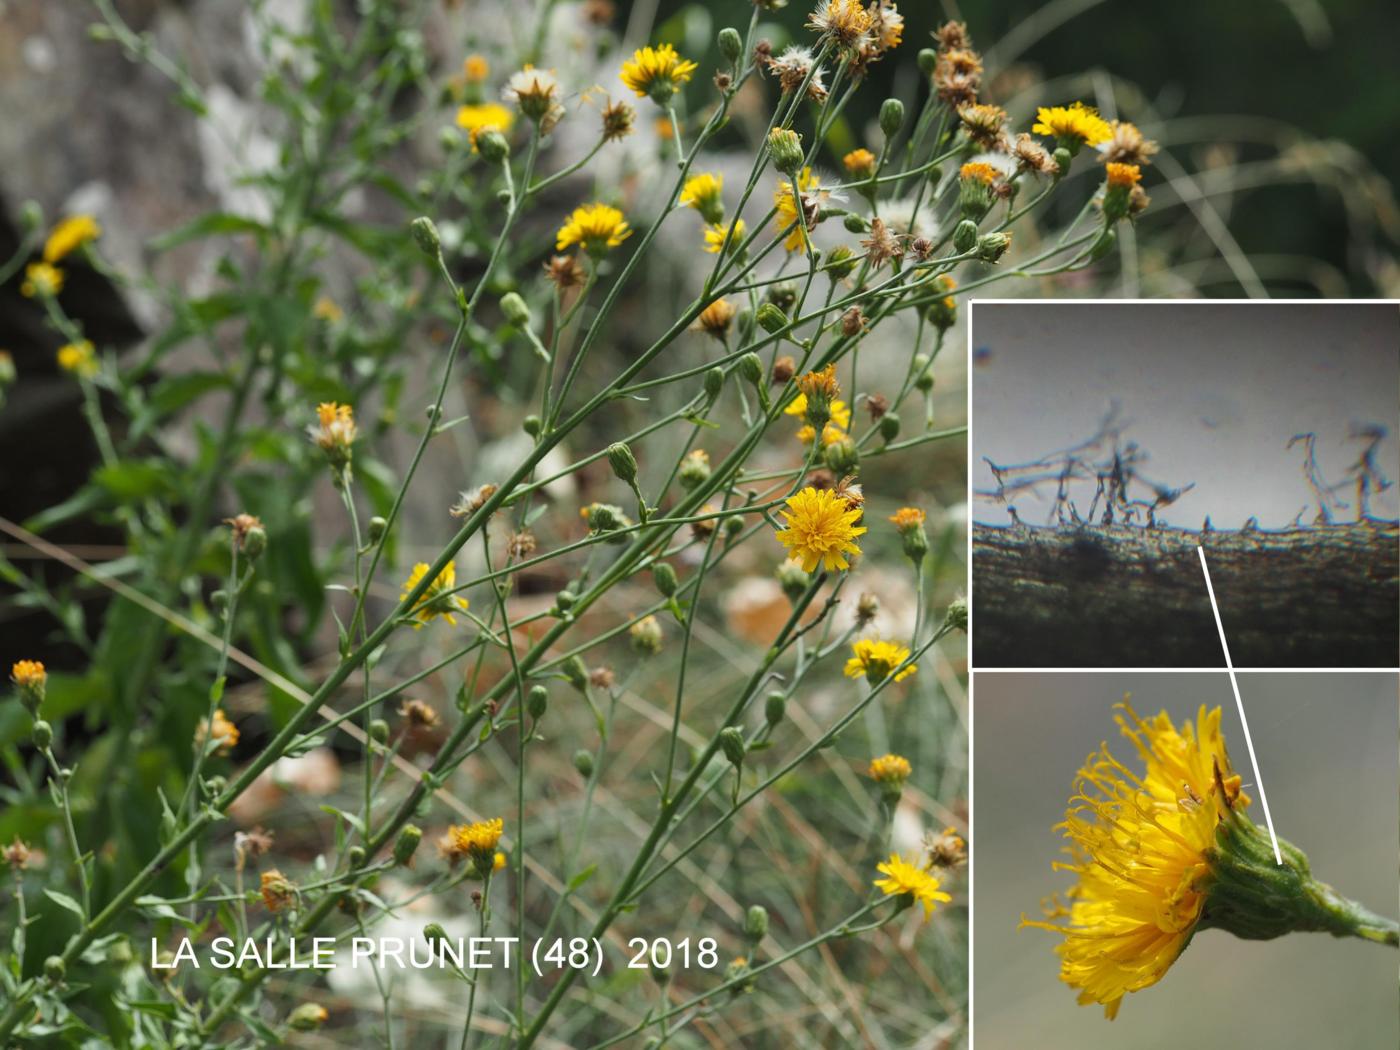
1326	745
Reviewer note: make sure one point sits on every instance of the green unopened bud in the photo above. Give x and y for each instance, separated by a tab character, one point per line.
1107	239
731	742
965	236
665	578
912	536
583	762
537	702
733	525
714	382
646	636
379	731
1063	157
889	426
307	1017
355	857
891	116
928	61
493	146
377	528
42	735
751	368
783	295
731	45
623	463
855	224
565	600
219	600
772	320
425	233
254	542
694	470
840	263
576	672
785	147
435	935
923	373
774	708
407	843
604	517
31	216
54	969
531	425
792	580
956	616
756	923
515	309
842	457
992	246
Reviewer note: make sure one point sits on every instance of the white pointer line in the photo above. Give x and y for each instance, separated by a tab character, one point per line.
1258	780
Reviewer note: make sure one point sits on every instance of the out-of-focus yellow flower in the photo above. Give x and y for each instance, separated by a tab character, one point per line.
790	215
595	226
715	236
1123	175
859	163
436	600
840	411
479	118
79	358
703	193
41	279
70	235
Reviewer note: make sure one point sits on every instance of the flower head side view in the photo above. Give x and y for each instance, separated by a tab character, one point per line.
1164	853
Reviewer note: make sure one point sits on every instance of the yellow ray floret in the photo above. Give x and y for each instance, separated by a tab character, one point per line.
821	529
653	68
595	226
437	600
1073	122
874	660
902	878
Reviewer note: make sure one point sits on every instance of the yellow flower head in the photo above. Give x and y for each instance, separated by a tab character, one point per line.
1141	847
224	732
890	769
325	309
1125	176
69	235
908	518
480	118
41	279
702	192
840	412
789	218
79	358
475	842
716	234
874	660
902	878
821	529
656	72
437	599
859	163
28	674
831	433
715	320
475	68
1073	125
979	172
334	431
845	21
595	226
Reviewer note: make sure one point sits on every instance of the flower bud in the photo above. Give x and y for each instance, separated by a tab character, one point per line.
785	147
783	295
731	742
379	731
733	525
434	934
665	578
965	236
42	735
695	470
793	580
54	969
407	843
425	233
31	682
646	636
565	600
923	374
1107	239
772	320
731	45
377	528
842	457
756	923
307	1017
751	368
531	425
891	116
840	263
355	857
493	146
855	224
889	426
1063	157
583	762
604	517
515	309
714	382
537	702
928	60
576	672
623	464
957	614
774	708
992	246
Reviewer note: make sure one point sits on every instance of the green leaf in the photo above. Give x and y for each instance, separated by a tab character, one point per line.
215	224
133	480
582	877
65	901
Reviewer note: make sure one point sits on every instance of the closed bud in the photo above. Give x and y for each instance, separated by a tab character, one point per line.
965	236
1103	245
714	382
756	923
515	309
623	463
583	762
792	579
493	146
379	731
731	45
783	295
889	426
992	246
407	843
1063	157
928	59
665	578
774	708
923	374
307	1017
576	672
377	528
855	224
840	263
731	742
42	735
537	701
425	233
842	457
957	614
891	116
31	216
565	600
355	857
733	525
54	969
531	425
751	368
603	517
694	470
254	542
219	600
646	636
435	935
772	320
785	147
